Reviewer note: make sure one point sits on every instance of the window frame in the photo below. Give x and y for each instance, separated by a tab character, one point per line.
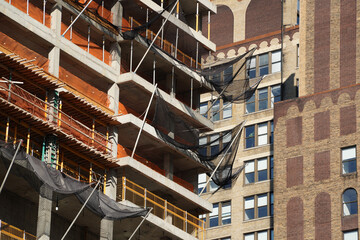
206	217
255	172
255	99
349	202
268	134
269	204
348	160
257	68
221	103
256	234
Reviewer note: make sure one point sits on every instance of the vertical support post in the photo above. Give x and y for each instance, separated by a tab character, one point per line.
103	47
27	7
131	46
57	158
7	129
177	9
15	134
162	35
102	8
186	215
93	131
59	113
24	234
28	141
154	70
79	173
191	92
282	48
104	189
124	189
107	138
62	161
71	20
172	93
165	210
88	44
147	19
46	104
44	11
209	25
197	55
176	41
145	194
90	173
197	17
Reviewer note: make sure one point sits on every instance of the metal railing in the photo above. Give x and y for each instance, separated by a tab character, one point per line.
39	108
168	47
162	208
9	232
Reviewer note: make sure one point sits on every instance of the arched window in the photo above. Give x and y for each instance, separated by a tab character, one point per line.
349	202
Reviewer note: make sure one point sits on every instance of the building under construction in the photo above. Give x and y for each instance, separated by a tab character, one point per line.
79	87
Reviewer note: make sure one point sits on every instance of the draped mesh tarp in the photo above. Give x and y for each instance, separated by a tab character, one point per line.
52	184
175	130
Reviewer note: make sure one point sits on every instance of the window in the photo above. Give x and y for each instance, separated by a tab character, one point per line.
249	172
250	104
214	145
216	78
263	99
214	216
275	94
271	167
226	213
249	208
213	186
201	182
261	235
221	214
252	67
276	61
227	111
259	65
262	136
262	202
271	204
258	170
220	110
215	111
228	74
203	109
298	12
224	76
349	202
202	141
263	64
351	235
250	136
260	99
257	206
271	132
297	55
348	156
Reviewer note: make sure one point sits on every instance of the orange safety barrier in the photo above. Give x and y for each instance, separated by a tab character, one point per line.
9	232
99	7
36	106
161	208
168	47
34	9
82	41
23	51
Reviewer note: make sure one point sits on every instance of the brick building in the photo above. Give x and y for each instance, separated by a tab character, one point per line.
244	210
316	135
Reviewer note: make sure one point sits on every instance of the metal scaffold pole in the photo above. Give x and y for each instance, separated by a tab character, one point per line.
76	18
140	223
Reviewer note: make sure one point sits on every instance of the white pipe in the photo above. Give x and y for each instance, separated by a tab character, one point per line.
143	123
152	43
76	18
12	162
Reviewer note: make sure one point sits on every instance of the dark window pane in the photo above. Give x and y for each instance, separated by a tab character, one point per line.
262	175
214	221
250	107
252	73
250	142
262	211
249	177
349	166
249	214
264	70
263	104
250	131
214	149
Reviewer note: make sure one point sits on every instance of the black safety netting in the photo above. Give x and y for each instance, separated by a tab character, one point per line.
175	130
55	185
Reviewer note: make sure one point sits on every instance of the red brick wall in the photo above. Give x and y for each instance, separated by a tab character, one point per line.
347	120
322	46
322	165
347	42
294	131
321	125
262	16
221	26
323	216
294	171
295	219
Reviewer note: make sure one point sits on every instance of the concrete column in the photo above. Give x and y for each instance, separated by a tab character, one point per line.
107	226
168	166
113	93
44	218
115	50
54	54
